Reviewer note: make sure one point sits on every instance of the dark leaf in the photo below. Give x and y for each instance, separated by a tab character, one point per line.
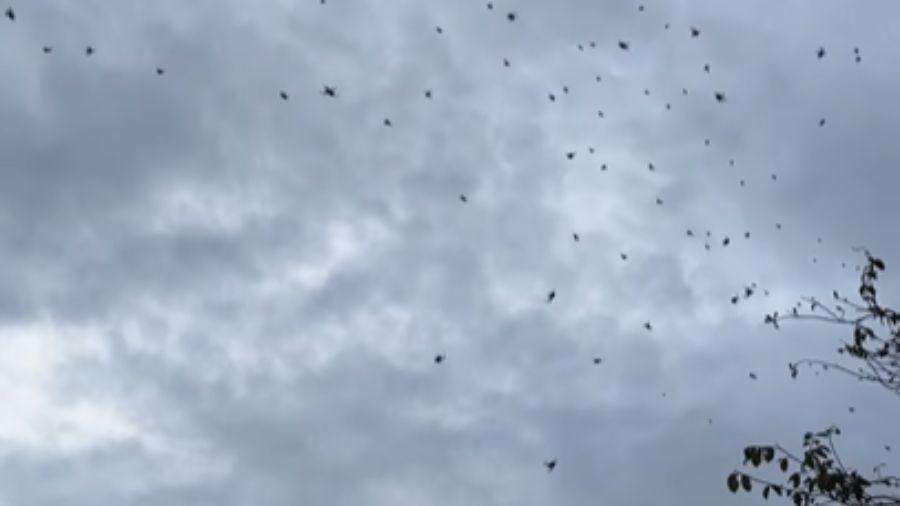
733	482
745	483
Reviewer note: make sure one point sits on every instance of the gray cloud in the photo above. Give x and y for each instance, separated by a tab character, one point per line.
213	296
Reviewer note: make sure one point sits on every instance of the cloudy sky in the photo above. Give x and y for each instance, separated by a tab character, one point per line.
210	295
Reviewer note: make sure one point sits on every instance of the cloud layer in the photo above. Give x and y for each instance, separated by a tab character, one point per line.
210	295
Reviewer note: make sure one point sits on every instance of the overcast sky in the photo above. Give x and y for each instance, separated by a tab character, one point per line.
210	295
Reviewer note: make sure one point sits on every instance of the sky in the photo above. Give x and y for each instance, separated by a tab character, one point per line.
211	295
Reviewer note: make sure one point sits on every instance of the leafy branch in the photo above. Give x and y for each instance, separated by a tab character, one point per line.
819	475
875	338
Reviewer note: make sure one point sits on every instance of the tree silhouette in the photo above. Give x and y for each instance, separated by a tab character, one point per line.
819	475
